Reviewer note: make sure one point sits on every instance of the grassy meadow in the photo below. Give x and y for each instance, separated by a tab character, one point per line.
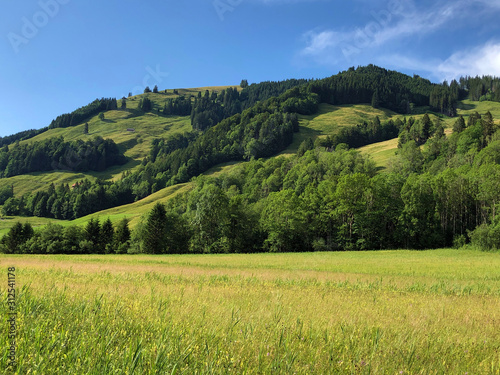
388	312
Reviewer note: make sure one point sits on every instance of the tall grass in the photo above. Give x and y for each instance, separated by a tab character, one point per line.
369	313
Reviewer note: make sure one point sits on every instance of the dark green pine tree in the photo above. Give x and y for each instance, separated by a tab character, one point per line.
92	233
124	103
375	99
154	231
122	237
426	128
488	124
107	236
86	128
155	89
244	83
459	125
147	89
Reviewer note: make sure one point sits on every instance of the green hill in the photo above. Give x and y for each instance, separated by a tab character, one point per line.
256	124
149	126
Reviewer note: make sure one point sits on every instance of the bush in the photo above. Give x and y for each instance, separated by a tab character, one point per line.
486	237
459	241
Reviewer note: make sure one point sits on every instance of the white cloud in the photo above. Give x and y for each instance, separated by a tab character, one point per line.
400	22
483	60
479	60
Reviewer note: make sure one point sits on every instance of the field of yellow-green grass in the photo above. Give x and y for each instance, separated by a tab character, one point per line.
388	312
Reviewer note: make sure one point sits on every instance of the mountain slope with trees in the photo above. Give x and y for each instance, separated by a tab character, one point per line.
259	121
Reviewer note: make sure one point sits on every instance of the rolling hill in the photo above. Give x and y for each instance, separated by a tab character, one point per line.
134	130
148	126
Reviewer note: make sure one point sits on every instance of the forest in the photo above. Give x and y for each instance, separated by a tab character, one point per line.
95	154
438	191
81	114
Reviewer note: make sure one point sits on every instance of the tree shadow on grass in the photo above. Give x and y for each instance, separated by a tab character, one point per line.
467	107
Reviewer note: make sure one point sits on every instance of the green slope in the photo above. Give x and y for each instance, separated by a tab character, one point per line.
381	152
330	119
135	144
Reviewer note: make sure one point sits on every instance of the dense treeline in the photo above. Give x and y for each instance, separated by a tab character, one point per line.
210	109
94	238
363	134
482	88
268	89
81	114
96	154
179	106
371	84
471	145
444	98
68	203
21	136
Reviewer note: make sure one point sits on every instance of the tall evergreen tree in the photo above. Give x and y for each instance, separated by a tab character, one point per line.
107	236
155	230
92	234
122	237
459	125
375	99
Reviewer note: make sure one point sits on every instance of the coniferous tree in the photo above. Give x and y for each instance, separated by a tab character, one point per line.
92	234
122	237
107	235
86	128
375	99
147	90
155	230
155	89
145	105
459	125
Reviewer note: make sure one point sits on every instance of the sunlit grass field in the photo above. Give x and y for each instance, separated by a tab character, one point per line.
381	152
389	312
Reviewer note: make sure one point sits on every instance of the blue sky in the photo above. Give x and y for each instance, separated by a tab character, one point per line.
57	55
